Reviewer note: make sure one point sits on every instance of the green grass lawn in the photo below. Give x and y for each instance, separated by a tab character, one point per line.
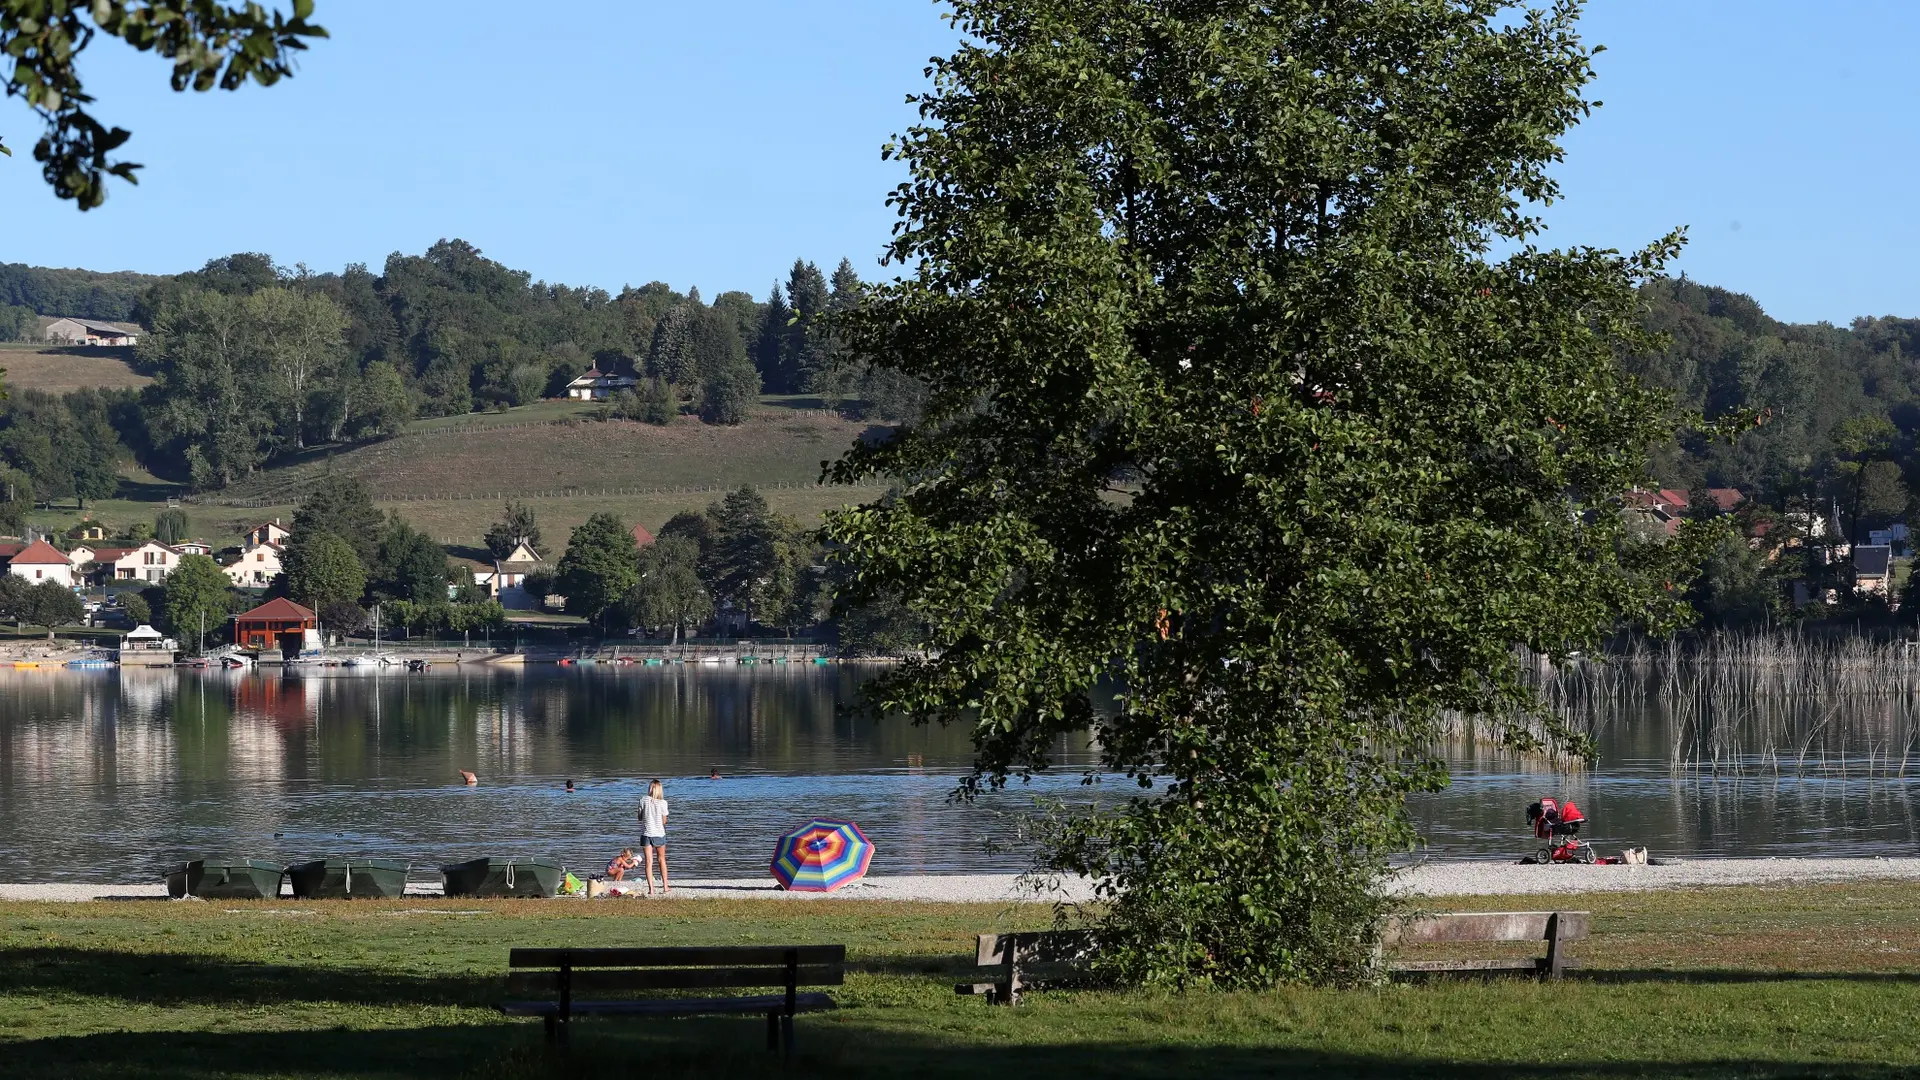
1816	981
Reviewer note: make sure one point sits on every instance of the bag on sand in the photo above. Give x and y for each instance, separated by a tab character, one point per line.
1634	856
573	886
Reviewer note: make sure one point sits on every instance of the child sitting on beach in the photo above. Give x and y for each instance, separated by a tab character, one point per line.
623	862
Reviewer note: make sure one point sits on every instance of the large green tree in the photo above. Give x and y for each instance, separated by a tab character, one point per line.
669	591
601	563
340	504
1232	405
199	597
517	525
322	569
409	565
49	604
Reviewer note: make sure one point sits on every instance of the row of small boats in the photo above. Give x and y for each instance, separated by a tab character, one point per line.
222	878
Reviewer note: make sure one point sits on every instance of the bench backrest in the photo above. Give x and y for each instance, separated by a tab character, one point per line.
1487	926
583	970
1034	947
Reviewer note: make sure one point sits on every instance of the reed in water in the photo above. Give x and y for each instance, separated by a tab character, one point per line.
1782	703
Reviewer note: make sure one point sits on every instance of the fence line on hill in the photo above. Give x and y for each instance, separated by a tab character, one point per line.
557	493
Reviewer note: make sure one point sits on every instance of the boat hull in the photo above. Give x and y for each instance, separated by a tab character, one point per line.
226	879
348	879
503	878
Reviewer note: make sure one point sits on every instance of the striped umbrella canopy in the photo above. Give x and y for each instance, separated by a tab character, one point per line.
821	856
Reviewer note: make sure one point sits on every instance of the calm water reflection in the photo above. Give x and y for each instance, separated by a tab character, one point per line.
110	776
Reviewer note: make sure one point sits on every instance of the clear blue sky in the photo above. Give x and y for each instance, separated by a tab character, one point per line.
709	144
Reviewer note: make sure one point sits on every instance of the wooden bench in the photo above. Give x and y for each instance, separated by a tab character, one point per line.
1059	954
1556	928
568	974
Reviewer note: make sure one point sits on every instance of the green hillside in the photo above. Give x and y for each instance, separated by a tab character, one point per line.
450	476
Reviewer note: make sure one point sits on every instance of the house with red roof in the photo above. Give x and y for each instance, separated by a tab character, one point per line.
41	561
274	625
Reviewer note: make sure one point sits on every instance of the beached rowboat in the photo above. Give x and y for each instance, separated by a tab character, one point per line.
503	877
338	879
226	879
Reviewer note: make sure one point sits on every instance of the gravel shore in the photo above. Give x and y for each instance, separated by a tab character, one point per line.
1456	878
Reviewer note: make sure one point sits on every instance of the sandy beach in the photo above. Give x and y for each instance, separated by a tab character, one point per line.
1454	878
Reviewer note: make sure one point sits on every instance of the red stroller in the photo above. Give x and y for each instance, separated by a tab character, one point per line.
1556	826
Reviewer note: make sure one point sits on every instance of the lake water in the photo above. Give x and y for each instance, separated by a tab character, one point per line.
110	776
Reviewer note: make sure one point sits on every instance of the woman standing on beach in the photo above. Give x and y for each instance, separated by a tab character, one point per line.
653	834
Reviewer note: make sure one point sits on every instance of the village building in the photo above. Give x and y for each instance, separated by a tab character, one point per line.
596	385
269	532
277	623
89	332
257	566
41	561
78	556
193	547
151	562
1873	569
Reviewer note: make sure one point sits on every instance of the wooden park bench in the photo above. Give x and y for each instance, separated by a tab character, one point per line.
1556	928
568	975
1058	957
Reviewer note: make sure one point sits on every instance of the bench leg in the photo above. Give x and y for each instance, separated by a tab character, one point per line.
773	1032
552	1025
1556	952
786	1032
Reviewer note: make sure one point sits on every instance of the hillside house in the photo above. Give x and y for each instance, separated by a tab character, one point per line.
78	556
641	537
41	561
257	566
268	532
151	562
1873	569
193	547
89	332
596	385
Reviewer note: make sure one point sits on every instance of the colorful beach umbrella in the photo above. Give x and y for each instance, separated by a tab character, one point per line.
821	856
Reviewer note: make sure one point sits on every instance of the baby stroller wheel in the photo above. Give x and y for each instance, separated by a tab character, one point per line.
1584	854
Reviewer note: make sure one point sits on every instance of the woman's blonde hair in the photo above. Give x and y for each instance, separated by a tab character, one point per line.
656	790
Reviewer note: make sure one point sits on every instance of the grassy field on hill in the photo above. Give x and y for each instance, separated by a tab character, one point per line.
450	475
60	370
548	454
1730	982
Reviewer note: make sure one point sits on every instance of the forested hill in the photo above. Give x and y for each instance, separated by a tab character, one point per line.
1836	397
450	331
252	362
85	294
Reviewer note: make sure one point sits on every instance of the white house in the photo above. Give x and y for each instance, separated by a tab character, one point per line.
595	385
256	567
79	556
41	561
508	579
193	547
151	561
268	532
90	332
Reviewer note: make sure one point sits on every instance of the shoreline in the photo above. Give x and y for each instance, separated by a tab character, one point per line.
1429	879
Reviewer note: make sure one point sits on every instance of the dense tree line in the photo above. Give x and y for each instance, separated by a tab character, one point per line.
344	558
82	294
252	361
1837	445
737	558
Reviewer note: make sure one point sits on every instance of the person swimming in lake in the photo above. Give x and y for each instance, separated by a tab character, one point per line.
623	862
